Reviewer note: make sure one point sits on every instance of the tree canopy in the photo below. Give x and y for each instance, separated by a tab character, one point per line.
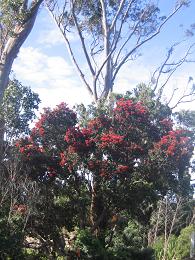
120	163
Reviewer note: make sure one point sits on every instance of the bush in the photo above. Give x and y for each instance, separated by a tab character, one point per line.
183	242
178	247
159	248
128	244
11	237
90	247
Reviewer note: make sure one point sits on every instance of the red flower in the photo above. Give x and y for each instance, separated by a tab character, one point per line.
63	160
22	149
17	144
175	144
110	139
41	131
122	168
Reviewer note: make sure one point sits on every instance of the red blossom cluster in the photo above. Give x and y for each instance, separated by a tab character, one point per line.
99	123
175	144
63	160
106	168
103	167
65	112
51	171
41	121
122	168
72	135
78	141
60	117
20	209
111	139
28	148
135	148
107	146
127	109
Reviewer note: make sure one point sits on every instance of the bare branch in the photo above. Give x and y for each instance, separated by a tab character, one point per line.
117	14
82	41
174	65
161	69
116	42
148	38
125	43
81	75
181	100
172	95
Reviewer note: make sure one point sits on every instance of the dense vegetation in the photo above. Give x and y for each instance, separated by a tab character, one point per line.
106	182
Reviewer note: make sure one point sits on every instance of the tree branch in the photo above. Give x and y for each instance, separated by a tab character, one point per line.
82	41
81	75
148	38
117	14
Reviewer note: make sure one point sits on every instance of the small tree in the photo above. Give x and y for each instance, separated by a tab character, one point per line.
17	192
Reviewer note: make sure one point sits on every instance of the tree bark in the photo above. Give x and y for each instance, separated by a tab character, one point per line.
97	211
12	47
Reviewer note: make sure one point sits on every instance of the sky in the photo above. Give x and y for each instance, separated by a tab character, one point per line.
43	62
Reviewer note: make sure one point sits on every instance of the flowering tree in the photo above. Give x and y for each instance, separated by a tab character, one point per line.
122	161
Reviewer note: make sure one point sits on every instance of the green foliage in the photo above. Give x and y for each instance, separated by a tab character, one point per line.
183	242
11	235
18	108
159	248
178	248
90	13
90	246
128	243
146	95
11	14
186	118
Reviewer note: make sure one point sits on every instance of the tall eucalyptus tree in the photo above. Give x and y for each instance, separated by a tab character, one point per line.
111	33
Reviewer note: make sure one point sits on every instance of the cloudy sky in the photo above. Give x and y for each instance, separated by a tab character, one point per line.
43	62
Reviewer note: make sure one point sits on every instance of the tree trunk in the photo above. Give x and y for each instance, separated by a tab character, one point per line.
97	210
108	80
12	47
2	131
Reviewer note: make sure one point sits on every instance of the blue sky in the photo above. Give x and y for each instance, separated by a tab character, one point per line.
43	62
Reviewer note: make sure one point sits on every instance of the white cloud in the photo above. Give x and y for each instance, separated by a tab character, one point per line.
54	79
130	75
51	97
51	37
34	66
